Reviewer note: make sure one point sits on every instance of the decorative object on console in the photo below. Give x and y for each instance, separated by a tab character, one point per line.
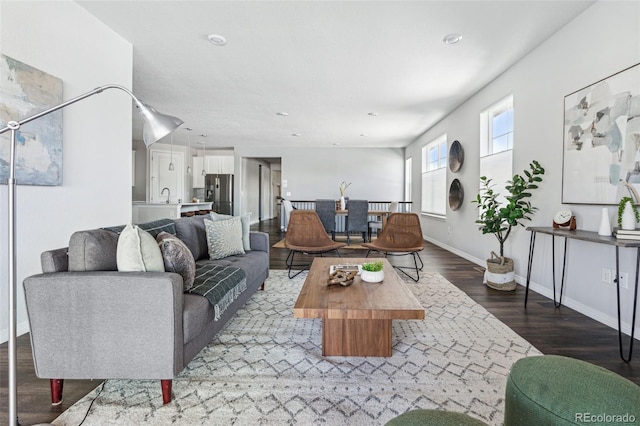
456	156
628	214
600	155
564	217
372	272
156	126
605	224
498	220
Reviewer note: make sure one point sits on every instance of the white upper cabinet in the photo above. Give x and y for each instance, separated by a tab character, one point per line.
212	164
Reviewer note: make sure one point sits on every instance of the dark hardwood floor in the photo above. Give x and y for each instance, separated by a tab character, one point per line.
553	331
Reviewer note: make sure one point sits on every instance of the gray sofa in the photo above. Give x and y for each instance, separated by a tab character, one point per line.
90	321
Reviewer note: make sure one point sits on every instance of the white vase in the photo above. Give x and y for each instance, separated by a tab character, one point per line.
372	277
343	203
605	225
628	218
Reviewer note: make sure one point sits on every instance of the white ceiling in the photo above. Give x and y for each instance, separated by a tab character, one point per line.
328	64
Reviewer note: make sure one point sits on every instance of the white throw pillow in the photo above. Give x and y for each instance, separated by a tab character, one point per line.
138	251
224	237
245	219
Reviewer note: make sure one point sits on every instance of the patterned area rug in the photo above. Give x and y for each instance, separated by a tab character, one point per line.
266	367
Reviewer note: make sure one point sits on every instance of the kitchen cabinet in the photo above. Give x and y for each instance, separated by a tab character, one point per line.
212	164
220	164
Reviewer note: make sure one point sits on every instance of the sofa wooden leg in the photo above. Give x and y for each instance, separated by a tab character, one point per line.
56	391
166	391
262	287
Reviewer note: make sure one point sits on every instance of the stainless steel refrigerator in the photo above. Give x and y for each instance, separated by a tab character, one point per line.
219	190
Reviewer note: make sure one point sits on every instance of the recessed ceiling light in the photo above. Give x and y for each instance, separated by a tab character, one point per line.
452	38
296	134
373	114
217	39
284	114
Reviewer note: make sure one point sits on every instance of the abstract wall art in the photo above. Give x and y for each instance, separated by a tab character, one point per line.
601	152
25	91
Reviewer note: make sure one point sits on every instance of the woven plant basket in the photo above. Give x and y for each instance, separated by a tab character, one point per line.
499	274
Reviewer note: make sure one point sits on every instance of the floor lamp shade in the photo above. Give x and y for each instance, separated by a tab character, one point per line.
156	126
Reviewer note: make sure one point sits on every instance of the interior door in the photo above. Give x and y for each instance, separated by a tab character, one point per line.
161	177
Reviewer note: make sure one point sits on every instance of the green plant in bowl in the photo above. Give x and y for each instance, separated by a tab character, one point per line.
373	266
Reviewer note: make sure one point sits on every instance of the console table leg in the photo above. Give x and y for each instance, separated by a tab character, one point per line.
635	305
564	267
532	246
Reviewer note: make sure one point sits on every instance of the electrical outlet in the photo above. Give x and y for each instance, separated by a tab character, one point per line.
606	275
624	280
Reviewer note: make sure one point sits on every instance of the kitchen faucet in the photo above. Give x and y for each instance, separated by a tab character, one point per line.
168	194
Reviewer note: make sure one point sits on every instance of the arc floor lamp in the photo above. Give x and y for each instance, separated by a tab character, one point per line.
156	126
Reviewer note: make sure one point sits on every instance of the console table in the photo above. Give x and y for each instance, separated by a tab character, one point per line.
591	237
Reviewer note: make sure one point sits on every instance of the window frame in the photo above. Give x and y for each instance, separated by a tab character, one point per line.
433	170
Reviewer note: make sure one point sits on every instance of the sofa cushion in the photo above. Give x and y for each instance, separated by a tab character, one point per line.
224	237
154	228
246	225
177	258
93	250
191	231
138	251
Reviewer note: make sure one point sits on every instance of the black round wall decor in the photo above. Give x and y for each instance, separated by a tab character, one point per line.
456	195
456	156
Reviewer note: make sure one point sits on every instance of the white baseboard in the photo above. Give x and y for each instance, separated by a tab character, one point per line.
21	329
548	293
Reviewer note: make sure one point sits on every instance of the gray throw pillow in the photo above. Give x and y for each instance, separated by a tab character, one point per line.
246	223
138	251
93	250
177	258
224	237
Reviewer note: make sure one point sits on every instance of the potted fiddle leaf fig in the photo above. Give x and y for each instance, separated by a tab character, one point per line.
499	219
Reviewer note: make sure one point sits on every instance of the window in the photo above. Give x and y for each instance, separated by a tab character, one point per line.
496	143
407	179
434	176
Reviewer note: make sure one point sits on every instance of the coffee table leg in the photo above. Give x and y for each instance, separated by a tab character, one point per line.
356	337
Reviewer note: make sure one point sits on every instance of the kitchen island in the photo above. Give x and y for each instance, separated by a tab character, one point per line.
146	212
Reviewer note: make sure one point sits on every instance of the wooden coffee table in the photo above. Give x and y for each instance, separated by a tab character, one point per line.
356	320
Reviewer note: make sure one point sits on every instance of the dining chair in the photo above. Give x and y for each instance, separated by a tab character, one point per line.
326	210
306	235
401	236
357	219
377	224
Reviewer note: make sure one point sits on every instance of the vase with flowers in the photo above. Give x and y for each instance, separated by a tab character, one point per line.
343	188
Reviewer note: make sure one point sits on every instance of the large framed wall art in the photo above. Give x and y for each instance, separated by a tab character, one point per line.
601	151
25	91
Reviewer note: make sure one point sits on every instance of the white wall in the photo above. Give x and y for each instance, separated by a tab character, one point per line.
64	40
375	173
250	188
602	41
